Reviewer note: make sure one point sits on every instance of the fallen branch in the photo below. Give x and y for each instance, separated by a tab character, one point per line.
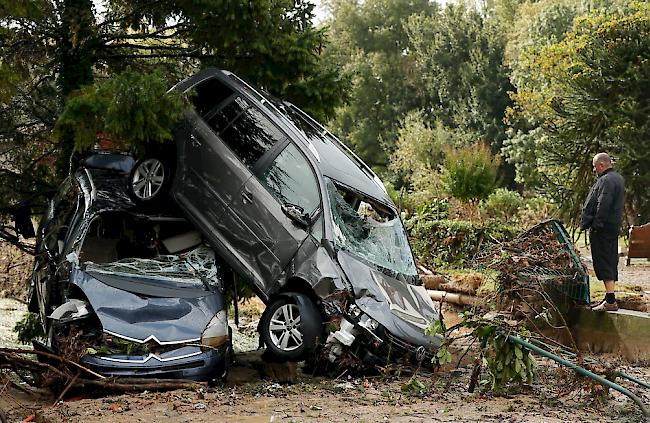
54	357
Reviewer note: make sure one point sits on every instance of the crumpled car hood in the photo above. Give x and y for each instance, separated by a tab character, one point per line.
402	309
164	318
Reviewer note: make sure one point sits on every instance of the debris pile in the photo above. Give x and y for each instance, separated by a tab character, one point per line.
537	271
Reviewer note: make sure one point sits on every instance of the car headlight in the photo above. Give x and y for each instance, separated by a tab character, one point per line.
216	332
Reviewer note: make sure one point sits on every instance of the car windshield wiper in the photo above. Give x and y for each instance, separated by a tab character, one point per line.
198	274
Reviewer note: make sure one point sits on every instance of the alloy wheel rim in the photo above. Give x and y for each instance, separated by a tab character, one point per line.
148	179
284	328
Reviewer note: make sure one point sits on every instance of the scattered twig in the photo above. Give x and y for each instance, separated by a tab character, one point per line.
67	388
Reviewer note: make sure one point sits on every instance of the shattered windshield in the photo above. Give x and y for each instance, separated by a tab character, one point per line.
196	267
370	231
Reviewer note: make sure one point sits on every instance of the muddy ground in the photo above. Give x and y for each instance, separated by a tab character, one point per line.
555	396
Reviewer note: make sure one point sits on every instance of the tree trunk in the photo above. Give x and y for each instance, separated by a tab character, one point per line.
76	59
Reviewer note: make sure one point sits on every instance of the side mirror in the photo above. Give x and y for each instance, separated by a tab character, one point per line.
23	220
296	214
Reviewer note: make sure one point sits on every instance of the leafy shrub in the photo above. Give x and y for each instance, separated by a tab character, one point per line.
401	197
505	362
453	242
537	209
436	209
29	328
502	204
470	173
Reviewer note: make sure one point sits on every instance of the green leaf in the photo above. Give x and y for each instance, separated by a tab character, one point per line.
518	352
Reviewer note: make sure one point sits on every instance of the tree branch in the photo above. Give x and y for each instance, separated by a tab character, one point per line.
133	13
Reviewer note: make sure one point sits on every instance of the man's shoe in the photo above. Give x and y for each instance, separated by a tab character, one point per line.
605	306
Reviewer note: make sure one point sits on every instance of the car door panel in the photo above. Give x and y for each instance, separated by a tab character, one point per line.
263	216
288	178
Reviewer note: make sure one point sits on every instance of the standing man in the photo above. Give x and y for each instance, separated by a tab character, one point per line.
601	214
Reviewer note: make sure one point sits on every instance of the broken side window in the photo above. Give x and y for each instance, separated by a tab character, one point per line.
370	231
63	208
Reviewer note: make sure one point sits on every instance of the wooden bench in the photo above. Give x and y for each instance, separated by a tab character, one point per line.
639	242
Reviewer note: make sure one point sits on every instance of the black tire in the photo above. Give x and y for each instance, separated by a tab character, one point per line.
149	180
286	337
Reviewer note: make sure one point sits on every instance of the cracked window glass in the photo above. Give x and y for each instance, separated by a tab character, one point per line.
370	231
197	267
63	208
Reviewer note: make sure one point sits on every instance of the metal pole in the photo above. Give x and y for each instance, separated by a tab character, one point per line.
618	373
580	370
633	379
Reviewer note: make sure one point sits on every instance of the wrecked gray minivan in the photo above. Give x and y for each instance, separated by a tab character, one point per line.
296	215
132	293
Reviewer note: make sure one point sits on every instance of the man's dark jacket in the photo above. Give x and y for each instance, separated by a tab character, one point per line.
603	208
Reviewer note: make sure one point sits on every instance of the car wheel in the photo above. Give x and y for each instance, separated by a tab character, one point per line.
148	180
291	327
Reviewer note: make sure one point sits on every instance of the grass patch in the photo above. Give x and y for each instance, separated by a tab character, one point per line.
597	289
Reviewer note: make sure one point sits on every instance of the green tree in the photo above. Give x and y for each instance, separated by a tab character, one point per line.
132	109
588	93
370	44
459	54
419	154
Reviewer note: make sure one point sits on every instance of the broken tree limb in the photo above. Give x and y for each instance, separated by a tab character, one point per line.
454	298
52	356
17	359
67	388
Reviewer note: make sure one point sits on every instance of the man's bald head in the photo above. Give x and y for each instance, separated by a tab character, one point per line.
601	162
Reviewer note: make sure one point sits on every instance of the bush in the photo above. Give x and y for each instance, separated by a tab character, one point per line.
470	173
453	242
502	204
29	328
435	209
537	209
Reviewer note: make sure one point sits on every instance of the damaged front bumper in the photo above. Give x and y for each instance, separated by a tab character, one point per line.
386	319
375	344
185	362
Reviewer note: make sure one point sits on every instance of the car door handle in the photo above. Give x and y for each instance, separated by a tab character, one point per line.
247	197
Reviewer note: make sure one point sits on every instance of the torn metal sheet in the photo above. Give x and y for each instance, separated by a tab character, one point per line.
314	263
165	319
71	310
